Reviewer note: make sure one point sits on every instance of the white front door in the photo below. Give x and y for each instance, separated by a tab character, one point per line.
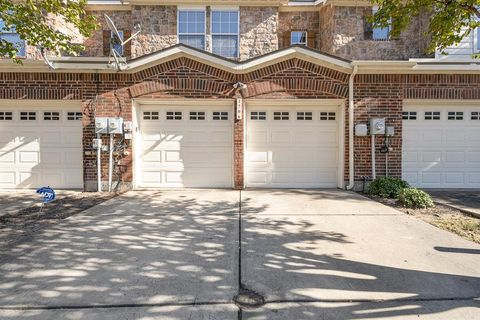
41	147
441	146
292	146
186	146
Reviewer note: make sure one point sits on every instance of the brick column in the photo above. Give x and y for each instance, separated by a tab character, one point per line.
238	144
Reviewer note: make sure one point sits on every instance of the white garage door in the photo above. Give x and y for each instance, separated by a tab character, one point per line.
441	146
184	146
292	147
41	147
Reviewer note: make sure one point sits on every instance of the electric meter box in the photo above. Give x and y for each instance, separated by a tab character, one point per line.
377	126
101	125
115	125
109	125
361	130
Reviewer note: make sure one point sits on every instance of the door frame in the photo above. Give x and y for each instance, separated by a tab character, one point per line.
318	103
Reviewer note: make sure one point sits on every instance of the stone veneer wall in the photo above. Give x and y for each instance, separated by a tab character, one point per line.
159	28
298	21
343	34
94	44
258	31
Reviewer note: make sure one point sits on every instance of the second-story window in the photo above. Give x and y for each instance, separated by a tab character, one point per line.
298	37
116	43
381	34
191	28
375	33
9	34
225	32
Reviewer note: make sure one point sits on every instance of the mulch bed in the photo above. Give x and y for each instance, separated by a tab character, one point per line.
441	216
17	226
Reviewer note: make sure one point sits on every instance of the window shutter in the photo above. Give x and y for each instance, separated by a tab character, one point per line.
367	25
106	42
311	39
287	37
127	49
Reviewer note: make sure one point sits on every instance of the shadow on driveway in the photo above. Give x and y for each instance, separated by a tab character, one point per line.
174	255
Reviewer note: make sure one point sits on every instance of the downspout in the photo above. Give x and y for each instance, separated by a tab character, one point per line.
351	110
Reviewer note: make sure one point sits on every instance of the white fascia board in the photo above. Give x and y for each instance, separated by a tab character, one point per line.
247	66
407	67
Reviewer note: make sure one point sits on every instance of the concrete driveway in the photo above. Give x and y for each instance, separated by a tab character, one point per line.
186	254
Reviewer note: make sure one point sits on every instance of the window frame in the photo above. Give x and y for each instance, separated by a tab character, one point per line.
6	115
112	45
204	34
212	10
389	28
298	43
14	32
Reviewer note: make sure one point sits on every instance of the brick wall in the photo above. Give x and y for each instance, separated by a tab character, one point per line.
382	96
111	95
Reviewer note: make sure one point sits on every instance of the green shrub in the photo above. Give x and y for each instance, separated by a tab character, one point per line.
414	198
386	187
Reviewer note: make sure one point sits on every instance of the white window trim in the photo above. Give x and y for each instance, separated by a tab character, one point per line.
193	8
225	34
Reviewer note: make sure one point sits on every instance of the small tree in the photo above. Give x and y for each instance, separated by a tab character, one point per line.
450	21
30	20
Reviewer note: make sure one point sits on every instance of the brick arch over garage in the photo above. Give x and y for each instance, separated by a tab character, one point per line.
293	78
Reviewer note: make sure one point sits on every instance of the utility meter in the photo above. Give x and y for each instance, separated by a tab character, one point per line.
101	125
377	126
115	125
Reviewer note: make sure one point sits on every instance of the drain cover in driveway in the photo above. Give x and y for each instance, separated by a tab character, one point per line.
248	299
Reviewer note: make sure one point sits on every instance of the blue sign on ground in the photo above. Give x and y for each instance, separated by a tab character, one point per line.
47	193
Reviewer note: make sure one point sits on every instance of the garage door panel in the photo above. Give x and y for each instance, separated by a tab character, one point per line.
257	136
455	157
474	177
51	157
6	137
291	153
187	152
448	155
432	177
28	157
8	179
474	135
410	156
28	179
432	156
257	157
52	138
280	136
455	178
41	152
7	157
474	157
457	135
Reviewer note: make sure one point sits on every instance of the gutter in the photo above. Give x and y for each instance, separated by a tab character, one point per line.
351	110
